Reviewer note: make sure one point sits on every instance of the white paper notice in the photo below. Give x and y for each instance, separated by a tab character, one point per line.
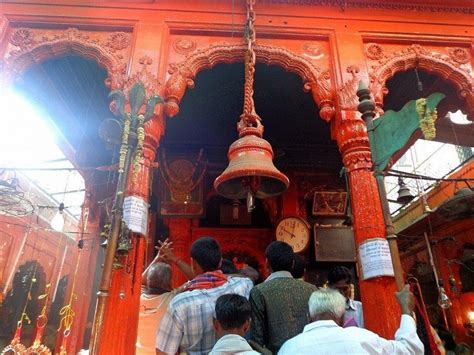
135	214
375	258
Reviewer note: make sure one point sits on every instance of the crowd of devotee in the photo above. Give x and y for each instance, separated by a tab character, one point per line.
222	310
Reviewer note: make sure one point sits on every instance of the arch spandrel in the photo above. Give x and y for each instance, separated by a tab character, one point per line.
182	74
450	63
29	46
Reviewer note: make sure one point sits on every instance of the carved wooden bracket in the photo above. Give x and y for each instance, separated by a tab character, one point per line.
184	73
33	45
453	67
347	94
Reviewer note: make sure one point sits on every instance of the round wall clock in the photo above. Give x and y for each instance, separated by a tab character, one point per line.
294	231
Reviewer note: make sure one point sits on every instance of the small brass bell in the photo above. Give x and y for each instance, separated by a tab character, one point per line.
404	194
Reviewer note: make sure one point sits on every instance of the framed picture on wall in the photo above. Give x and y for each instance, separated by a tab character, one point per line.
329	203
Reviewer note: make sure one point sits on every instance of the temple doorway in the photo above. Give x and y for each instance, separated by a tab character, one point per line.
196	143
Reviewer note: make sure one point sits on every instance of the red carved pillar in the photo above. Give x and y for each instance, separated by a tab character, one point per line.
120	320
381	311
180	235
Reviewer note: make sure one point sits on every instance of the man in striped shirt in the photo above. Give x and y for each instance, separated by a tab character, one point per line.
188	323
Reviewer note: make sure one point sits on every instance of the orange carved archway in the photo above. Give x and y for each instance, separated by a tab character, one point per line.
29	46
314	79
452	67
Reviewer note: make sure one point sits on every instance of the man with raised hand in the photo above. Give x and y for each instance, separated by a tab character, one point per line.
188	323
326	334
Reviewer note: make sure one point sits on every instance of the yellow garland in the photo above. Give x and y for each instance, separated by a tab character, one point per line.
67	313
124	146
427	119
139	150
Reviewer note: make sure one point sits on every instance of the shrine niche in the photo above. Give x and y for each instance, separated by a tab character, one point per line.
182	187
450	63
28	46
242	260
247	246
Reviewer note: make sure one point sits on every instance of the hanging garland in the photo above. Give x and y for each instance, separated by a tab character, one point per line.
127	120
139	149
427	118
67	313
37	347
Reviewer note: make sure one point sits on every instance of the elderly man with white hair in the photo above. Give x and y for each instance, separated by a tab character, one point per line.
325	334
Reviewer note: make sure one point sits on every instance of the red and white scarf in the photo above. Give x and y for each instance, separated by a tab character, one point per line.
207	280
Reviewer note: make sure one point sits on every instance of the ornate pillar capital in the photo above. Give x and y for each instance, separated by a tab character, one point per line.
353	141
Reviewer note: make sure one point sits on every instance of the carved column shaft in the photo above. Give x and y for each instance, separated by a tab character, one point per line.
381	312
124	300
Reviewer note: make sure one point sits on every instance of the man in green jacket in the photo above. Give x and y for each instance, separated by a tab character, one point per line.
280	304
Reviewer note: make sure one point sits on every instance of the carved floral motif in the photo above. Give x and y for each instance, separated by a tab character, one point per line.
22	38
374	51
459	55
312	50
35	45
184	46
183	74
118	41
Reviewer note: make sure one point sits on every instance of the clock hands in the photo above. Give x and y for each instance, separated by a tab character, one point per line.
287	231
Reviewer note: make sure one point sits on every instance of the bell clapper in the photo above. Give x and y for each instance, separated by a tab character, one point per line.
250	202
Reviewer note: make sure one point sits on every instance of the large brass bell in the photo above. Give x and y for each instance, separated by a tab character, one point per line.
251	170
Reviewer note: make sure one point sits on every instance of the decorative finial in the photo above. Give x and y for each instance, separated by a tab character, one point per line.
366	105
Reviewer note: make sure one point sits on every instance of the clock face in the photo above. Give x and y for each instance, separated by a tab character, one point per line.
294	231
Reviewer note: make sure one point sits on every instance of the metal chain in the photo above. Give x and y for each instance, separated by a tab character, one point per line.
250	59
